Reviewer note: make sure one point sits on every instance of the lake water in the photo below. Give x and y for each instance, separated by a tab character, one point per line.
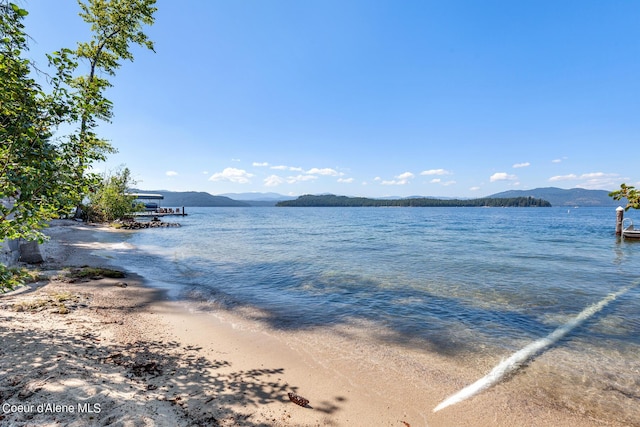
463	282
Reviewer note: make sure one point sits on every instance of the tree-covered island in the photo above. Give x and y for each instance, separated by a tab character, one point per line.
331	200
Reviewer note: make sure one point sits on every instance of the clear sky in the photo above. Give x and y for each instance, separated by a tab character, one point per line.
373	97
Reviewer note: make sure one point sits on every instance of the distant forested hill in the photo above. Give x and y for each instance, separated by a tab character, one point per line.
258	199
343	201
193	199
562	197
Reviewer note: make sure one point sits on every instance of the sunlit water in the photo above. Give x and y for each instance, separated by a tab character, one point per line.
465	282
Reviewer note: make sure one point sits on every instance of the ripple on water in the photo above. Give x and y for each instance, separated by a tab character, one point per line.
470	284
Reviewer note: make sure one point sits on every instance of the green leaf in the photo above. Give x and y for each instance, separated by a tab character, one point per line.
21	12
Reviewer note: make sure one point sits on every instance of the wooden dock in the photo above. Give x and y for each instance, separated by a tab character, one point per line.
162	212
152	215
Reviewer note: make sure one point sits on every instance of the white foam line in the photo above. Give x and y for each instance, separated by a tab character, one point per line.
515	361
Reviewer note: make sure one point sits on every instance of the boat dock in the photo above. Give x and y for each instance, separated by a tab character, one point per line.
161	213
152	206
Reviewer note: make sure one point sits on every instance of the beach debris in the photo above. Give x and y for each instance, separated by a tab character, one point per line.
89	335
86	273
31	305
297	399
115	358
15	380
60	303
148	367
176	400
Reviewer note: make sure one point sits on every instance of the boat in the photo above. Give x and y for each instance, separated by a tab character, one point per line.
629	232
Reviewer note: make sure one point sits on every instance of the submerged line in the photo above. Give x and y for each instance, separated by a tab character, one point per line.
518	358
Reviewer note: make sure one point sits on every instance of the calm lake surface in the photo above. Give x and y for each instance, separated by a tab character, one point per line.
465	282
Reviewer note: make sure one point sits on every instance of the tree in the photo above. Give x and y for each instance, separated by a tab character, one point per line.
110	201
115	25
628	192
39	176
29	163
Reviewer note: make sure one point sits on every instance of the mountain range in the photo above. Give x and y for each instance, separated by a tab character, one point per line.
174	199
562	197
555	196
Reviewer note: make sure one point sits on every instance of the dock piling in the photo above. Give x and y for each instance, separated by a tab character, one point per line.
619	218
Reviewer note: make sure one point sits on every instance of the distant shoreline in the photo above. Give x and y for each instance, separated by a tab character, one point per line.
344	201
558	197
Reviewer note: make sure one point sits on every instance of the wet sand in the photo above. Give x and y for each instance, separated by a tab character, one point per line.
125	354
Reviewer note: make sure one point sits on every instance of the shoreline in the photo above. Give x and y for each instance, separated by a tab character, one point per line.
189	364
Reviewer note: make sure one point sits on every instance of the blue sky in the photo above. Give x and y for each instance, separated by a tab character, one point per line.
372	98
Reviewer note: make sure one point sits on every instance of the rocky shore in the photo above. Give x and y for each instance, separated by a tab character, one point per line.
138	225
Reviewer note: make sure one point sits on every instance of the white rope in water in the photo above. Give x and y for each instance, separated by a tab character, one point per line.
518	358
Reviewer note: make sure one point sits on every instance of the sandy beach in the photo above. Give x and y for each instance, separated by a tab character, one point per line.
105	351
